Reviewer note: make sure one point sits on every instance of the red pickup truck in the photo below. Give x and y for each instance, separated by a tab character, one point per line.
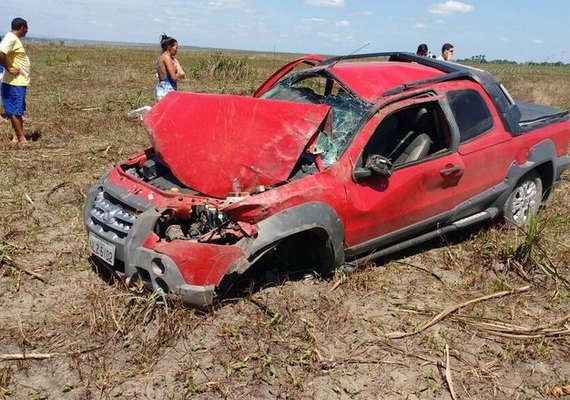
348	159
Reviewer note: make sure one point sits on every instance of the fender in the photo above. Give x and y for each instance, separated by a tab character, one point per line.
541	156
289	222
543	153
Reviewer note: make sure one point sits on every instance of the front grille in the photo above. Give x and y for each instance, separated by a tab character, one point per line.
111	215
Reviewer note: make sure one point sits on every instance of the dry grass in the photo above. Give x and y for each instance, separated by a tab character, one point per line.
65	333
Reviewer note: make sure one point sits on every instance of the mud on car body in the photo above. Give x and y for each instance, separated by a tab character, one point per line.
350	158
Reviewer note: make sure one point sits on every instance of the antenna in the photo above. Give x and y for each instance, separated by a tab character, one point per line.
350	54
360	48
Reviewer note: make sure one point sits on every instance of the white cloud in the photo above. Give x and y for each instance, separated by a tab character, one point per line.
504	39
450	7
343	23
314	19
362	14
538	41
325	3
335	37
440	21
225	5
419	25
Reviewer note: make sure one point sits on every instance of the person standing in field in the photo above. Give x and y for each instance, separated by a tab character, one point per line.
1	66
423	50
16	78
446	52
1	76
168	69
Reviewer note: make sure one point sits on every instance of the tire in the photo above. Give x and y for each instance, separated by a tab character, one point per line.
524	200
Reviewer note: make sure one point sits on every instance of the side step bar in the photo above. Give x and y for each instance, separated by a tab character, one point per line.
488	214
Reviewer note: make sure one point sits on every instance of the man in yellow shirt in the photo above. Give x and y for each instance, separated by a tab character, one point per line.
16	77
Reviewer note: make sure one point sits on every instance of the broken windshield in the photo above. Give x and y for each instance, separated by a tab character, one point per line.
347	110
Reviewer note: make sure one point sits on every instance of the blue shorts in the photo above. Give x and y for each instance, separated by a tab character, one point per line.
163	87
13	99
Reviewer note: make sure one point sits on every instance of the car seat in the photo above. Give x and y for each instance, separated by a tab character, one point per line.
416	143
380	141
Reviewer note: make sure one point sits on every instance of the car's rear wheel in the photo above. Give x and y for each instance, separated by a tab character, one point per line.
524	200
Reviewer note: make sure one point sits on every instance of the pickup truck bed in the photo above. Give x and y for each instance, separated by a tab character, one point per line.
535	116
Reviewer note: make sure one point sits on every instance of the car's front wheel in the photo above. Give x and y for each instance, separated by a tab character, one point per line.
524	200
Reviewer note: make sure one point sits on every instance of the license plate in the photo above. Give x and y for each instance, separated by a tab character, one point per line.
102	249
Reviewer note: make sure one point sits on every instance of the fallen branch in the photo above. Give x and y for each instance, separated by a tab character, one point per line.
340	280
13	264
82	108
427	271
262	306
26	356
29	199
59	186
73	153
452	309
448	373
521	332
43	356
565	332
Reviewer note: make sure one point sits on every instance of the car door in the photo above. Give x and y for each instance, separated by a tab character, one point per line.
418	192
309	59
484	145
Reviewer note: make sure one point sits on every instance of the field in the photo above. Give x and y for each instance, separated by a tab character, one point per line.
486	313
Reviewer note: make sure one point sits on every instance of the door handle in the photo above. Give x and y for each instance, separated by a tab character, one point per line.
450	170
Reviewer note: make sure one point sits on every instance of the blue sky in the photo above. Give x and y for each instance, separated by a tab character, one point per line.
520	30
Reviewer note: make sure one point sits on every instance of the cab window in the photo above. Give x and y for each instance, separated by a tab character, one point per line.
471	113
410	135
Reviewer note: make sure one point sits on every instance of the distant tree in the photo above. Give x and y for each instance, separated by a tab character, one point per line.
482	59
504	61
479	58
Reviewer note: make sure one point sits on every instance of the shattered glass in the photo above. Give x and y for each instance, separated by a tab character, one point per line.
347	113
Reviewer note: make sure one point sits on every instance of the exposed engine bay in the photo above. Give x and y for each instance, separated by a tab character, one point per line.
207	224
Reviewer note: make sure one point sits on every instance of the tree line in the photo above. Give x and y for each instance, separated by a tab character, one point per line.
481	59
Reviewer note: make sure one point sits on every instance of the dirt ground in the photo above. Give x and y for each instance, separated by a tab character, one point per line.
484	314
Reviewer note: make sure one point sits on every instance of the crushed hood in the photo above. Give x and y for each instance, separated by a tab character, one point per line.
217	144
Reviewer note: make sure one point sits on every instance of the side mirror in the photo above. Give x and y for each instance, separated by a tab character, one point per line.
379	165
375	165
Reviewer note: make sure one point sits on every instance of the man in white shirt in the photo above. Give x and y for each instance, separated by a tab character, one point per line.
446	52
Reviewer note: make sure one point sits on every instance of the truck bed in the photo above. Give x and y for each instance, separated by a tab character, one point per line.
535	116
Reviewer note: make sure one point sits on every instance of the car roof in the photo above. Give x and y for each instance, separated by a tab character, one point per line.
371	79
405	71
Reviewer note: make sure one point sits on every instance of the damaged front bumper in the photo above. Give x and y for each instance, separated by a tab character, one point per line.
123	240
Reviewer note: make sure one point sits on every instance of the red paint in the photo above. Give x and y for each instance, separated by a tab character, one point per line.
310	59
200	263
217	144
371	79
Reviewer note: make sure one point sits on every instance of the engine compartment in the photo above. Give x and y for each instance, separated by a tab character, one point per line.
206	224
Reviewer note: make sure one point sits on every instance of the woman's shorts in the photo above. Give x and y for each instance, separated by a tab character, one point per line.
13	99
162	88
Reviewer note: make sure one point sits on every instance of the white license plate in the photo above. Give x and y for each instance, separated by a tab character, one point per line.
102	249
